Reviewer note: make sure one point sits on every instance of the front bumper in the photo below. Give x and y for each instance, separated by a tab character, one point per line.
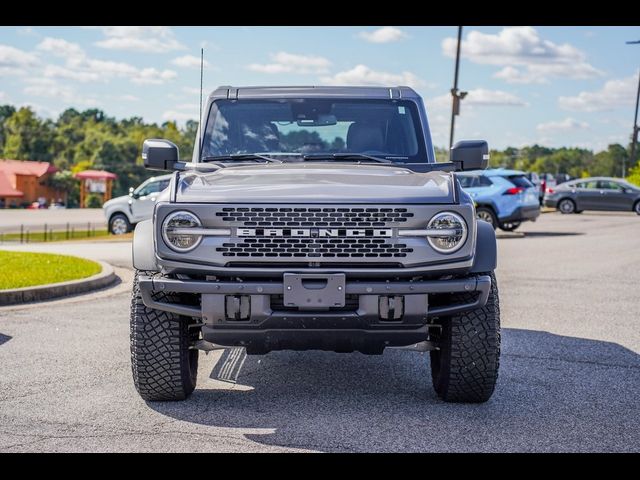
267	326
522	214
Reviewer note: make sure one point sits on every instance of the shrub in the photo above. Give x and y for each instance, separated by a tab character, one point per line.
94	201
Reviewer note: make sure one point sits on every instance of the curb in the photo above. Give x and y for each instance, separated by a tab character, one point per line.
55	290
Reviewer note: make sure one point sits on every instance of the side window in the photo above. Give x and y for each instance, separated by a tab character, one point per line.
484	181
163	184
466	181
609	185
578	185
520	181
149	188
591	184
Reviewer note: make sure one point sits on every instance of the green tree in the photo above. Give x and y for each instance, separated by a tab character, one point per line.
27	137
634	175
5	112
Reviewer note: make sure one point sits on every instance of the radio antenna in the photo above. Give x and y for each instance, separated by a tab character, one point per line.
200	124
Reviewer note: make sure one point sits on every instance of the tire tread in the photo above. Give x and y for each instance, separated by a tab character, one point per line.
160	355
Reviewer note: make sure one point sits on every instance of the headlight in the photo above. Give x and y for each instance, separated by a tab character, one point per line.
447	232
175	231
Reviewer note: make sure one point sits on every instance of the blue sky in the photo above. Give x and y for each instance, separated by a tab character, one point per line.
572	86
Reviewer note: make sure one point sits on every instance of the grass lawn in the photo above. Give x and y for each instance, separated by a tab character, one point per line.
53	236
26	269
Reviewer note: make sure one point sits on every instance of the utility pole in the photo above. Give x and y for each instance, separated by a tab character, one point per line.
457	95
634	135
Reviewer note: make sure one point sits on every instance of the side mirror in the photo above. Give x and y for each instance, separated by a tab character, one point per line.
160	155
470	155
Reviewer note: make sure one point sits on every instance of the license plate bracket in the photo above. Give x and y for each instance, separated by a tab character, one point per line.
309	291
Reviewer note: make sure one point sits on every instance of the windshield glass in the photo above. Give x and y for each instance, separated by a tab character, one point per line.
383	128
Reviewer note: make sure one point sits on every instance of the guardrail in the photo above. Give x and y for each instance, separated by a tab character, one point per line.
52	232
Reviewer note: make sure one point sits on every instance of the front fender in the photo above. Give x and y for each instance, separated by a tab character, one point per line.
486	257
143	247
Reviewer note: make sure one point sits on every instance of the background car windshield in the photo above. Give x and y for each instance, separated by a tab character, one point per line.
386	128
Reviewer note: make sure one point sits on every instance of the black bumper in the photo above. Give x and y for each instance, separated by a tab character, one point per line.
523	214
273	327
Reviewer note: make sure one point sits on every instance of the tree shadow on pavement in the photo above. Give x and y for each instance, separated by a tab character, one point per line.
554	393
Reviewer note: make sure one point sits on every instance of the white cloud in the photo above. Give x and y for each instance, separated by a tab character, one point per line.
129	98
151	76
139	39
178	116
613	94
188	61
187	106
566	125
57	71
191	90
363	75
383	35
283	62
61	48
481	97
80	67
49	88
514	75
15	60
522	46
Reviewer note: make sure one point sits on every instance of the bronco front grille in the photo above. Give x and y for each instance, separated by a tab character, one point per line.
346	247
313	217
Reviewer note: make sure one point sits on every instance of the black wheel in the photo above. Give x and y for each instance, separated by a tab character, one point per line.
566	205
465	368
119	224
163	364
486	214
509	226
636	207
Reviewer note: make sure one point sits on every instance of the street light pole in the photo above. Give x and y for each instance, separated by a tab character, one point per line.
457	96
634	135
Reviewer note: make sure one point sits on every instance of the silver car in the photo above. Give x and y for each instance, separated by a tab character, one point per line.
123	213
596	193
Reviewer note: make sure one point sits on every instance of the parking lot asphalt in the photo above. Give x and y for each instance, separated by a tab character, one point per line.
34	220
569	375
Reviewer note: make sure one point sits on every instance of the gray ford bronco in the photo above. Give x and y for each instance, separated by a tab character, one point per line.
315	218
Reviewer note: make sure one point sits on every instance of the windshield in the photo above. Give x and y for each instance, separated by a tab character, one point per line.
295	127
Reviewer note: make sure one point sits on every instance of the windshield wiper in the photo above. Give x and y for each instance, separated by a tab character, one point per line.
240	156
345	156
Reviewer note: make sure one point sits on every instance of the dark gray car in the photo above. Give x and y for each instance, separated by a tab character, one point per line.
596	193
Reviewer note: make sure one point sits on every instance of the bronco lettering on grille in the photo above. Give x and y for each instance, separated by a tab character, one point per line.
314	232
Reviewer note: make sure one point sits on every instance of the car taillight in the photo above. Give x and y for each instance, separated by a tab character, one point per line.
514	191
549	190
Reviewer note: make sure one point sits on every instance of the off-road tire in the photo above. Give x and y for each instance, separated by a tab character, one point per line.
465	368
163	365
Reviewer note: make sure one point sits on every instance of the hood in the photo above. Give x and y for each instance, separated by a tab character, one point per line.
318	183
116	200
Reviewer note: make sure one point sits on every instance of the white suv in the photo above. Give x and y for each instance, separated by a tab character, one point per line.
122	213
